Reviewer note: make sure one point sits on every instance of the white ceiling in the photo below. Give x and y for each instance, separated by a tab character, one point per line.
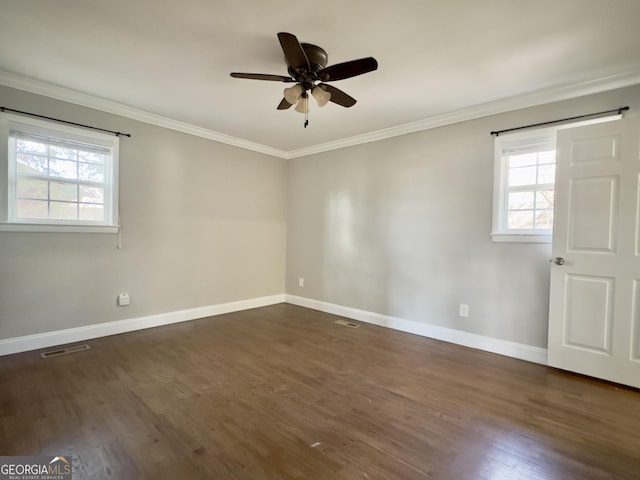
173	59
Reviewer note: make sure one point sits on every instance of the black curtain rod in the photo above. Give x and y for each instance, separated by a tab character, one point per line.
118	134
617	110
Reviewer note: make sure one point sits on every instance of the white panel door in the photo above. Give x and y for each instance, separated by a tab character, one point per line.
594	318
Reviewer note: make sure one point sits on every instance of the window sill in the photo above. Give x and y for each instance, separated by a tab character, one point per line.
521	237
39	228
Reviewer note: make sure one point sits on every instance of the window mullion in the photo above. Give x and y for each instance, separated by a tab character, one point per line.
70	181
531	188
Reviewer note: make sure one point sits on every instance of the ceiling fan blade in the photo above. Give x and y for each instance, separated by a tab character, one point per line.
340	71
283	105
293	52
262	76
338	96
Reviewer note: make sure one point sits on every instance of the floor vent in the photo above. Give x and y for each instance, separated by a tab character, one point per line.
64	351
347	324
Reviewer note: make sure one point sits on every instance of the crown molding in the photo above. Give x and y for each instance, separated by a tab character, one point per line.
540	97
65	94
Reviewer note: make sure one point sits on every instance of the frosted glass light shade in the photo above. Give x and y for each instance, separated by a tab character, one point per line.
292	94
303	103
321	96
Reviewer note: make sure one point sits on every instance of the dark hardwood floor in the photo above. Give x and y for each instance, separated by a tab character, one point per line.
282	392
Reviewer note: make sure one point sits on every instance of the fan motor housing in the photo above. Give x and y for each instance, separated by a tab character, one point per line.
317	57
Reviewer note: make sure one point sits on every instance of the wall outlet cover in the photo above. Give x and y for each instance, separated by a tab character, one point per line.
123	299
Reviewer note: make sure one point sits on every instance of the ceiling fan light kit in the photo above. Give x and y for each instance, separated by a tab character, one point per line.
321	96
307	67
292	94
303	103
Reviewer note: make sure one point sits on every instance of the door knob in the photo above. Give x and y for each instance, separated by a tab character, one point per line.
558	261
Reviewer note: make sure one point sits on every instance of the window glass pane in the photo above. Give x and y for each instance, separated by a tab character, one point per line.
92	156
522	159
91	171
92	212
546	174
544	219
30	146
63	211
64	191
32	164
32	209
91	194
522	176
65	153
520	219
520	201
63	168
30	188
547	156
544	199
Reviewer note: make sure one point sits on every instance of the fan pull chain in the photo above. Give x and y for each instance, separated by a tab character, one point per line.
306	119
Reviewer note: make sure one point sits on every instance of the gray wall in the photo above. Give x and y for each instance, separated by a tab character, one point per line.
398	227
203	223
401	227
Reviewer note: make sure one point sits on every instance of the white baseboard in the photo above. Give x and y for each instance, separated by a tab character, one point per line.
60	337
480	342
71	335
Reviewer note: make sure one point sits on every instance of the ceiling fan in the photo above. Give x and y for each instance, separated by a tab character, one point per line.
307	67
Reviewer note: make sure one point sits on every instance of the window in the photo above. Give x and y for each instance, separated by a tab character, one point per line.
524	183
57	178
524	186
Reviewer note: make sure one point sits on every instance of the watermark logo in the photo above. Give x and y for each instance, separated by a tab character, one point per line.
35	468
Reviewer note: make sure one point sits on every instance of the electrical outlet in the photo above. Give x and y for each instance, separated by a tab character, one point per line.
301	282
463	311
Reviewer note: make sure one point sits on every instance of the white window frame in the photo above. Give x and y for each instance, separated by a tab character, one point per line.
500	232
10	122
542	138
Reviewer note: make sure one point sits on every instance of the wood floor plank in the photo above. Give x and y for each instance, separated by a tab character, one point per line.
283	392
